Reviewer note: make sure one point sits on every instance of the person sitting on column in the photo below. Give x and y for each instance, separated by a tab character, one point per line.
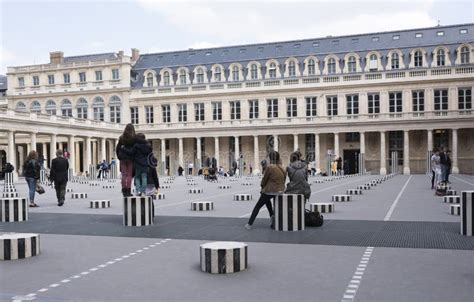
126	142
31	171
297	173
273	183
140	153
153	184
58	174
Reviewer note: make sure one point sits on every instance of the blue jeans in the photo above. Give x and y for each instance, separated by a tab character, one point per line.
140	180
31	181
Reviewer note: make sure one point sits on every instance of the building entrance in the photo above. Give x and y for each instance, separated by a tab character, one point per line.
350	163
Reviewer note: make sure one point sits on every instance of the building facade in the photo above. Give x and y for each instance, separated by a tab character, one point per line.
381	101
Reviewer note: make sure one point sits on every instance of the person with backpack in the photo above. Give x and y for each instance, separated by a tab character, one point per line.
58	174
31	171
123	149
273	183
298	175
140	154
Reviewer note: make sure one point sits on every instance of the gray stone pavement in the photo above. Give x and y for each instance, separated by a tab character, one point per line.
138	264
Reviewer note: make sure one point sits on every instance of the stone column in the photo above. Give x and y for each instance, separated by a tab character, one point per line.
430	140
72	153
362	142
60	146
88	152
11	155
103	153
216	150
45	155
21	159
295	142
163	156
336	144
52	151
198	153
406	152
77	163
455	167
256	159
317	152
237	151
275	142
180	153
383	160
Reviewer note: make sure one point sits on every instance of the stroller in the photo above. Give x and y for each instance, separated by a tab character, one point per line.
212	175
441	189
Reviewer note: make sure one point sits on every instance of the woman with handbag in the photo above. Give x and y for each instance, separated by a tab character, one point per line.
31	171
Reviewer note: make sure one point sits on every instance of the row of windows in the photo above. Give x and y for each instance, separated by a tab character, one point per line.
330	65
395	105
67	78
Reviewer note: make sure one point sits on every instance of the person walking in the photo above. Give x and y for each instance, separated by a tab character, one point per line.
448	165
140	153
58	174
273	183
339	166
125	143
443	159
31	171
435	168
298	175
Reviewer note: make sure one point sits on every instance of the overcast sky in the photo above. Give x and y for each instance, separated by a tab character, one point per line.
29	30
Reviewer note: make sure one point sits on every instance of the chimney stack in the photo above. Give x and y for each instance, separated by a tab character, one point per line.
56	57
120	54
135	54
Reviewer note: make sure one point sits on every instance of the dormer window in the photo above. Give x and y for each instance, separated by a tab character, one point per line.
331	66
311	67
463	31
182	77
418	35
440	33
351	64
375	39
291	69
465	55
217	74
395	61
396	37
253	72
440	57
315	44
149	79
272	70
166	78
200	76
373	63
418	59
235	73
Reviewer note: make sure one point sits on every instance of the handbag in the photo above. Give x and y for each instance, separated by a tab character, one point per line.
39	189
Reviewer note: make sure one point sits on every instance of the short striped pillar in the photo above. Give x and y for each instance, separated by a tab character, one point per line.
13	209
467	213
289	212
9	178
202	206
223	257
224	186
10	194
452	199
108	187
70	175
78	195
246	184
455	209
354	192
165	187
322	207
240	197
92	172
100	204
451	192
339	198
195	191
69	190
138	211
43	178
19	246
113	172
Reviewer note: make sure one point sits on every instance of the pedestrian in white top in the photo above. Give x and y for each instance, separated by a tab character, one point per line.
435	168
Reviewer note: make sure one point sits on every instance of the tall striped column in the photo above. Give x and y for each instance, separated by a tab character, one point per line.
138	211
9	178
289	212
467	213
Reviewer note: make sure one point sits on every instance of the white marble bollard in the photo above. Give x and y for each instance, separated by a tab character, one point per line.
138	211
16	246
467	213
202	206
322	207
289	212
13	209
223	257
100	204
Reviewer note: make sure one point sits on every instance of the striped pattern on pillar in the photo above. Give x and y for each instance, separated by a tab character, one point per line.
467	213
289	212
10	194
195	191
138	211
92	172
341	198
100	204
224	186
70	175
192	183
451	192
68	190
246	184
94	184
455	209
371	184
8	178
322	207
43	178
202	206
108	187
13	209
19	246
242	197
78	195
113	172
165	187
452	199
354	192
223	257
363	187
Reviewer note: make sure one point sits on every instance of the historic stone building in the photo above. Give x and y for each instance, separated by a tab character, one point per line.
379	94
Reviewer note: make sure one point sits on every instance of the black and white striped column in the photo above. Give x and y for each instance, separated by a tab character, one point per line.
92	172
223	257
13	209
100	204
240	197
202	206
289	212
467	213
339	198
8	178
19	246
452	199
138	211
78	195
455	209
322	207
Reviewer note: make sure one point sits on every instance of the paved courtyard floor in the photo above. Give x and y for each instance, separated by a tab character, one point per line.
395	242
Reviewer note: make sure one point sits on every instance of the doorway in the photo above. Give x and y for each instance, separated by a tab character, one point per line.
350	164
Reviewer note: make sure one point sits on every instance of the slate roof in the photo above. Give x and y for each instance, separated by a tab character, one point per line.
3	82
94	57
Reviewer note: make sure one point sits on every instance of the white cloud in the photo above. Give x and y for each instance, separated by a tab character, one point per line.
203	44
7	58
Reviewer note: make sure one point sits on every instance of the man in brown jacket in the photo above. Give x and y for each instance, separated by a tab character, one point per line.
273	183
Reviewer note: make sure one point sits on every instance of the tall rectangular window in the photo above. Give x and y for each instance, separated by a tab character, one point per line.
66	112
82	77
21	82
440	99
311	109
395	102
216	111
98	75
418	98
82	112
373	103
291	107
331	105
149	115
182	112
235	110
36	81
51	79
464	98
352	103
253	109
98	113
272	108
67	78
115	74
166	109
199	112
134	115
115	114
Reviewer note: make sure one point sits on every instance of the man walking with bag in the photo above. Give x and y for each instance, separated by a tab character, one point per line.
58	174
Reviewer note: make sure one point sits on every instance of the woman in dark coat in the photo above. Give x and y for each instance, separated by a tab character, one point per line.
141	153
31	171
298	175
126	142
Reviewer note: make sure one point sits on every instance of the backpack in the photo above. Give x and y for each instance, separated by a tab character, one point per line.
313	219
